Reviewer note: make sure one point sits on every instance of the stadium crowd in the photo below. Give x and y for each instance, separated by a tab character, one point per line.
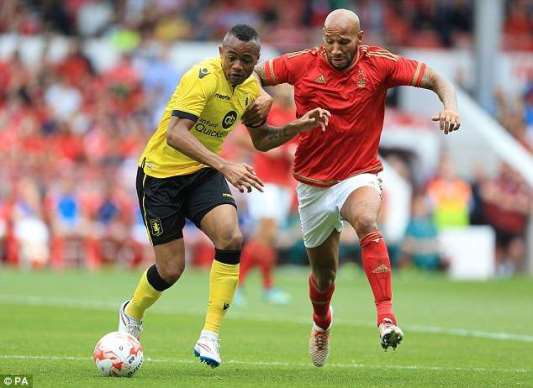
70	135
413	23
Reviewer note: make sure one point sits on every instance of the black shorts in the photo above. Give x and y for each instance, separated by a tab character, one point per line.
166	202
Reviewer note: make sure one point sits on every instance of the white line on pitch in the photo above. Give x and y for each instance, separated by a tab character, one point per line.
281	364
103	305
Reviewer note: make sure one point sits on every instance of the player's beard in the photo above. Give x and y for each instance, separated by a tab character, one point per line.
340	63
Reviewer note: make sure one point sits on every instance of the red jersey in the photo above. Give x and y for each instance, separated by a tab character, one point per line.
275	166
356	99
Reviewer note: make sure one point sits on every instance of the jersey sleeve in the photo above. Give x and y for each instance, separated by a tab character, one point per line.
285	68
404	71
191	94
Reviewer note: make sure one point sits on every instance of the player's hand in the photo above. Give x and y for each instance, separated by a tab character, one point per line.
449	120
317	117
242	176
257	113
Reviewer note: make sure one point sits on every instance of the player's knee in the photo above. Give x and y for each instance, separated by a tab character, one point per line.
365	223
229	240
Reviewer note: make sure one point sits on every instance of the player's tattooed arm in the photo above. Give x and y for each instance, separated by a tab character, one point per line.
449	117
266	137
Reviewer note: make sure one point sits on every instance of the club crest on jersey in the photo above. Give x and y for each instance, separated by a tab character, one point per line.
202	72
361	80
156	227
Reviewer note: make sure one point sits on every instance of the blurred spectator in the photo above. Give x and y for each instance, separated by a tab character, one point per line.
450	197
30	229
62	99
421	244
528	112
69	225
511	112
507	205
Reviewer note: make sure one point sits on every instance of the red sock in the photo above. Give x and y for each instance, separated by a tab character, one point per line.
247	261
377	267
267	261
320	301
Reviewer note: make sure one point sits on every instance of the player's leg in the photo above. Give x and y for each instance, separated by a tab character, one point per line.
361	210
212	208
268	210
164	223
321	225
324	261
168	267
221	226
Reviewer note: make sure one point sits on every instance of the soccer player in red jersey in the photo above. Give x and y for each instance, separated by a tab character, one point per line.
269	210
338	170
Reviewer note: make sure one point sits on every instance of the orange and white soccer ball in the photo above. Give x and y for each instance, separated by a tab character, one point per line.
118	354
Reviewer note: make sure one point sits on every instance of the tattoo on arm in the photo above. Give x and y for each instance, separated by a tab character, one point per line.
266	137
444	89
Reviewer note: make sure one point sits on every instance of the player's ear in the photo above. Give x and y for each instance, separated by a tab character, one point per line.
360	36
220	51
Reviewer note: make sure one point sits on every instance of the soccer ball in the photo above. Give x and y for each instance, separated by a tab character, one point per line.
118	354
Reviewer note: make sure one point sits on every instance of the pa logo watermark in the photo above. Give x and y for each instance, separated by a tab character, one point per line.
16	381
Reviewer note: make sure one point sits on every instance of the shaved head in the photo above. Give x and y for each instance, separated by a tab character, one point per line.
342	19
342	36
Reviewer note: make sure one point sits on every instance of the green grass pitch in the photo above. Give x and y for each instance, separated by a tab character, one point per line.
458	334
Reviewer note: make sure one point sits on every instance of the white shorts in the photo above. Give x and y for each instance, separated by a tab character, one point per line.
320	208
274	202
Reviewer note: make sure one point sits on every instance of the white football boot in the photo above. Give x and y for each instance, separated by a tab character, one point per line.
207	349
319	343
128	324
389	334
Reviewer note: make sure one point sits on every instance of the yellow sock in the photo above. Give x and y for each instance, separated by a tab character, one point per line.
144	296
223	281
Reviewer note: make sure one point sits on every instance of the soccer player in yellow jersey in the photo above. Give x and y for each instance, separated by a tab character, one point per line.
182	176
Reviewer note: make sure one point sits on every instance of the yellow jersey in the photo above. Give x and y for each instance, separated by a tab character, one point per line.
203	95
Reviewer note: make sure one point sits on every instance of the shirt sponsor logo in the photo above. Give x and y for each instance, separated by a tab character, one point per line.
208	131
208	128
